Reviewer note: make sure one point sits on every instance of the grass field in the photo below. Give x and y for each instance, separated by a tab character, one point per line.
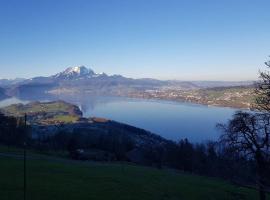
64	118
35	107
70	180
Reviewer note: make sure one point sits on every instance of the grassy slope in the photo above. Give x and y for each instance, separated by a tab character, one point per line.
70	180
64	118
19	109
62	112
238	96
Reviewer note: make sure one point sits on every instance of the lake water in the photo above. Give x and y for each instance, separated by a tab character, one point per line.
171	120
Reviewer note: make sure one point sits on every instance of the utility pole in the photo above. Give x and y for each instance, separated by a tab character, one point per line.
24	159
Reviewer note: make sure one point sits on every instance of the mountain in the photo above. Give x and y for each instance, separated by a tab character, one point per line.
80	79
211	84
3	94
75	73
83	80
8	82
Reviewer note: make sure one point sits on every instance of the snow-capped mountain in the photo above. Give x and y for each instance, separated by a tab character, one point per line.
81	80
76	72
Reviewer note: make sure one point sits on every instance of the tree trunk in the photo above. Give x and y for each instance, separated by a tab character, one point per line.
262	192
261	173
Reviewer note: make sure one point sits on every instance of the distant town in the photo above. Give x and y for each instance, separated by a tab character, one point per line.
235	97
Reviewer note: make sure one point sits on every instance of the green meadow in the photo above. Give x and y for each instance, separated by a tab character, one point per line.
51	178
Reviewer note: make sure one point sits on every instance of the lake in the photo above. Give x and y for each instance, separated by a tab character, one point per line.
171	120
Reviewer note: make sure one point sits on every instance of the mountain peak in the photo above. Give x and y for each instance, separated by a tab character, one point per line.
75	72
80	70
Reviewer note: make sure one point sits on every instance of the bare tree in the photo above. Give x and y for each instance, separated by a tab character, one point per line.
262	91
249	134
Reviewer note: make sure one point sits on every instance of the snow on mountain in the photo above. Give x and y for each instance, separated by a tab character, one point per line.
76	72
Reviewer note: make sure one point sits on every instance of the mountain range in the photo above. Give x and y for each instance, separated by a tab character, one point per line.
83	80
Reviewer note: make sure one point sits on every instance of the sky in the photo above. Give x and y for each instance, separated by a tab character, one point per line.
163	39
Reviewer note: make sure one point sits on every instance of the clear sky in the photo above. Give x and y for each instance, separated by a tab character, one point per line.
165	39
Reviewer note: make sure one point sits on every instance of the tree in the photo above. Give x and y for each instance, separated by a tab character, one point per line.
186	154
249	134
12	132
262	91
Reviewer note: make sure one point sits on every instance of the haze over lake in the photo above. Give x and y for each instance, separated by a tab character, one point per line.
171	120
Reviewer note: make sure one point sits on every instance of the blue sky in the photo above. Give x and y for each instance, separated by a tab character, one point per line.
165	39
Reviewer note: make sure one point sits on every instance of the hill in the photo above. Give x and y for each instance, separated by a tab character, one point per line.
3	94
38	112
58	124
233	96
9	82
53	178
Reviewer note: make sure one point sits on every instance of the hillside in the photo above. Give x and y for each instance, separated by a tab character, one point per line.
56	124
3	94
233	96
38	112
54	178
